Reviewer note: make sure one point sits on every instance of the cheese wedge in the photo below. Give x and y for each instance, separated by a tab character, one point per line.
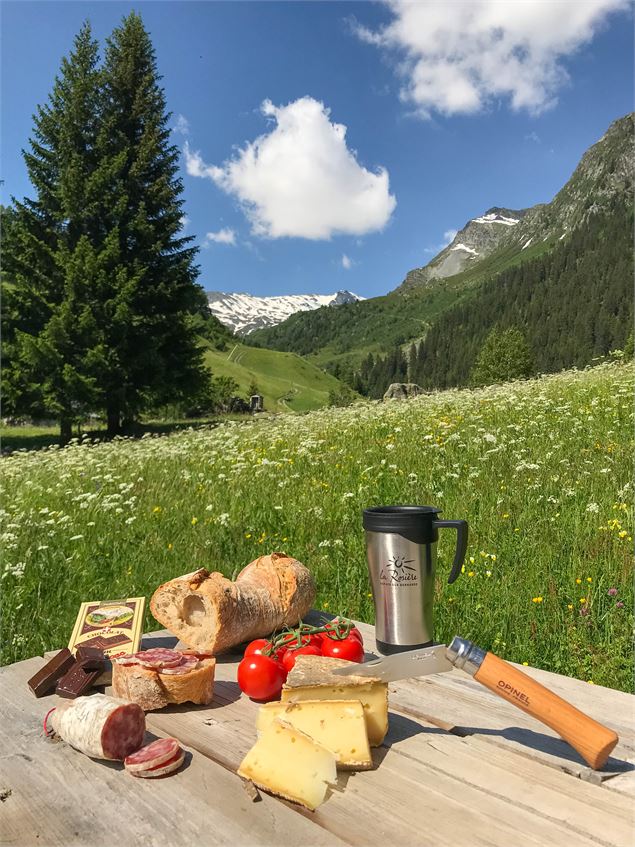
311	678
338	725
286	762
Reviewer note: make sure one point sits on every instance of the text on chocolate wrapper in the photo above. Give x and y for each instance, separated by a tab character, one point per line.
506	688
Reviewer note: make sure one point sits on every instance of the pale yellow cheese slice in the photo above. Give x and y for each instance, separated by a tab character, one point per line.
311	678
338	725
290	764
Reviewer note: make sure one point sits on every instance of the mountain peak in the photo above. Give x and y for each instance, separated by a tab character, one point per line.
244	313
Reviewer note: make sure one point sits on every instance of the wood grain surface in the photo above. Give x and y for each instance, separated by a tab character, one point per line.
459	766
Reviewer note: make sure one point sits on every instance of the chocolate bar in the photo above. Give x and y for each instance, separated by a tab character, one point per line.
90	658
76	681
43	682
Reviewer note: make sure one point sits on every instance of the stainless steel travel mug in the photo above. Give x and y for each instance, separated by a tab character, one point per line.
401	547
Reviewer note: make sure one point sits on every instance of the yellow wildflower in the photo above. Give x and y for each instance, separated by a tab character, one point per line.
194	521
589	579
583	599
578	581
536	599
156	510
570	606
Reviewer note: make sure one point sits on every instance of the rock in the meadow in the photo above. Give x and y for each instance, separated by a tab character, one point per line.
402	391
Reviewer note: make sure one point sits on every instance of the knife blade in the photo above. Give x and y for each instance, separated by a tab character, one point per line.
593	741
402	665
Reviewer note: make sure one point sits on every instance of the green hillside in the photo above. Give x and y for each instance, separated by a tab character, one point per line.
287	381
339	338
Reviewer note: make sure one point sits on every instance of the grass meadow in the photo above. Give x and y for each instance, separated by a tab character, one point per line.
540	469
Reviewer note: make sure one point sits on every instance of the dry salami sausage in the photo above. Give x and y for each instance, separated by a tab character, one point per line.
153	755
101	726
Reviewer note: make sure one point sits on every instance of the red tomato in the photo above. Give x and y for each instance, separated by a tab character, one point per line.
257	648
331	629
260	677
288	660
344	648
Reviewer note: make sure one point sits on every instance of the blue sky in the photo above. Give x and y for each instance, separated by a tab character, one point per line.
448	108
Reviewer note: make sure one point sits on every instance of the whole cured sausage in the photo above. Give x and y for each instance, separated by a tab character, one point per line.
101	726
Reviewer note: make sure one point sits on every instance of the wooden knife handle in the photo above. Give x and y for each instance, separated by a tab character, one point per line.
591	739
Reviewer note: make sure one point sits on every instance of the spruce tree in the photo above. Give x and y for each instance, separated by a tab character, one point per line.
150	293
51	356
503	357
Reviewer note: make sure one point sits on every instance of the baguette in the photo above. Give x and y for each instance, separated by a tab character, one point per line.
152	689
207	611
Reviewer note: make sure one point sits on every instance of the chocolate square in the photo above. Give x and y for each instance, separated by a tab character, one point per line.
43	682
90	658
76	682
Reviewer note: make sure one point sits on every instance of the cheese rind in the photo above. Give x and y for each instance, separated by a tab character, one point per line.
287	762
311	678
338	725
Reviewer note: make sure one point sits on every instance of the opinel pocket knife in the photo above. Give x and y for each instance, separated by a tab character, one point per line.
591	739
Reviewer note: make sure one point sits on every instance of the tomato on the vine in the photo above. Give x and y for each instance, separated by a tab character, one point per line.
290	640
344	648
262	646
333	631
261	677
288	660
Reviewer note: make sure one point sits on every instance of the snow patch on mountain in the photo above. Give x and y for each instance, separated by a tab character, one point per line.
495	218
243	313
465	248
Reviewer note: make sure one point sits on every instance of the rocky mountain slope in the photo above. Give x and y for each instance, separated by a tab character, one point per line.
244	313
479	238
498	240
606	169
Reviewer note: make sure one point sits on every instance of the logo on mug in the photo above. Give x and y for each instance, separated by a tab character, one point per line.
398	571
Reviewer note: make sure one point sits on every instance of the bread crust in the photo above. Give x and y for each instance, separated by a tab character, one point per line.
209	612
153	690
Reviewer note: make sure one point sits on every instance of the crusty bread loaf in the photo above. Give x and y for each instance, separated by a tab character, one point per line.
207	611
153	690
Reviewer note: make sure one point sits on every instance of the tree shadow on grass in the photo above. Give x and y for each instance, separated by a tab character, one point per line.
12	440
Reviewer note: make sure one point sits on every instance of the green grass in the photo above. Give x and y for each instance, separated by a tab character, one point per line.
287	381
540	469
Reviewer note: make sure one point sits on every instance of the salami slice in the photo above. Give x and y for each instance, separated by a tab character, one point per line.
153	755
159	658
200	654
100	726
127	660
162	769
185	667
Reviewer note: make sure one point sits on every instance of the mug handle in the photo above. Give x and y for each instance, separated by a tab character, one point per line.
461	546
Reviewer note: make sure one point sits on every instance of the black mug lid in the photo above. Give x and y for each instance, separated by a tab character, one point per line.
404	520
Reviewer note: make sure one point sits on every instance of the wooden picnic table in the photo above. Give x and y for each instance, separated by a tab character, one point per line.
459	766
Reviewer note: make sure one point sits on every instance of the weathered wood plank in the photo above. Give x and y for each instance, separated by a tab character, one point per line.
61	797
456	702
423	762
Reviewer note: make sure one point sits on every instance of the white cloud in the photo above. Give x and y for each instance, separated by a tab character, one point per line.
300	179
223	236
448	237
182	125
347	262
533	136
456	57
185	222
